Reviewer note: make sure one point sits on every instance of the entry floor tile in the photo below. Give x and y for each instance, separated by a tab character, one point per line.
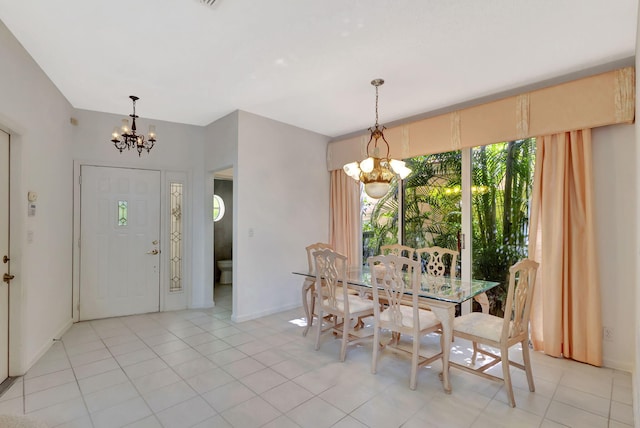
197	368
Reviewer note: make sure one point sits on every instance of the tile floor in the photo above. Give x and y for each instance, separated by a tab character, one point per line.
196	368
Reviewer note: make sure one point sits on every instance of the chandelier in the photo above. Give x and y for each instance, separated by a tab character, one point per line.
376	172
126	138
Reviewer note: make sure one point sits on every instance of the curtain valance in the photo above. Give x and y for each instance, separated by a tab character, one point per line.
603	99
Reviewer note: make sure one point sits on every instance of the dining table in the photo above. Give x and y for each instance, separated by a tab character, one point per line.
440	294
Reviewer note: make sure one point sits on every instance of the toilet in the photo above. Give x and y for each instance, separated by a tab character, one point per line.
226	275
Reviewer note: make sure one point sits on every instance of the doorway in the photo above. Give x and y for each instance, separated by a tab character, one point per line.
4	255
223	238
119	247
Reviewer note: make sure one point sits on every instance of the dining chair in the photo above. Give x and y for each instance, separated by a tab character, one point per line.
392	277
333	298
437	260
503	333
307	286
398	250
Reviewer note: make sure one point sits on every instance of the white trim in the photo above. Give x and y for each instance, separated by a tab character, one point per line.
47	345
466	253
264	313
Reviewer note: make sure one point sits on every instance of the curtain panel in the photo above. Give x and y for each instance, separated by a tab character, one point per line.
344	219
566	315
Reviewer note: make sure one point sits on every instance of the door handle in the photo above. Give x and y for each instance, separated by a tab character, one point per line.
153	252
6	277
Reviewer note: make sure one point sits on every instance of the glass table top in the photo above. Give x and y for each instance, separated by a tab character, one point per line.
441	288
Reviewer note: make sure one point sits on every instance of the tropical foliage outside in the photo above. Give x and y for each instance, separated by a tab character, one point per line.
502	181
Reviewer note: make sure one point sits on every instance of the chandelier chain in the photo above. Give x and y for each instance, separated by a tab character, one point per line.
376	106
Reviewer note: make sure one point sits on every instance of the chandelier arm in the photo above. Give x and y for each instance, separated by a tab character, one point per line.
369	143
386	142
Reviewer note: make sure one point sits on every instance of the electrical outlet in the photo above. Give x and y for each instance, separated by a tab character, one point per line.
607	334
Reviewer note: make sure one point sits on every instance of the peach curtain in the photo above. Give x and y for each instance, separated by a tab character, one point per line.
344	216
566	317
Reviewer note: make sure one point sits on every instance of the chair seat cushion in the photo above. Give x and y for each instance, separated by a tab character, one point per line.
427	318
479	324
356	303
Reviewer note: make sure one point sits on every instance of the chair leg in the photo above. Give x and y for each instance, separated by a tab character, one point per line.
506	373
346	323
376	349
319	329
308	311
475	353
526	358
414	362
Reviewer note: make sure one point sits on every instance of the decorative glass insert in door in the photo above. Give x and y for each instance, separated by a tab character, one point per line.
122	213
175	237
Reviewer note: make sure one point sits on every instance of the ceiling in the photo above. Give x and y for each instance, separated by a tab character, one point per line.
310	63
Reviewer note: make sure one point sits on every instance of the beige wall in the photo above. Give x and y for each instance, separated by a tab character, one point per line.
614	153
282	205
37	116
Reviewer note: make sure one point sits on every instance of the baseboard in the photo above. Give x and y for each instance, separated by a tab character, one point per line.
264	313
624	366
208	305
45	347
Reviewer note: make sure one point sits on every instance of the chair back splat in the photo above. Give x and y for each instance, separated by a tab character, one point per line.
334	300
307	286
436	260
398	250
502	333
395	282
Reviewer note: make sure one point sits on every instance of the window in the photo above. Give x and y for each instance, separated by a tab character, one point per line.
123	213
218	208
175	237
429	209
502	180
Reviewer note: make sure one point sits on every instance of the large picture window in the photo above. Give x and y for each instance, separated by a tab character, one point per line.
426	210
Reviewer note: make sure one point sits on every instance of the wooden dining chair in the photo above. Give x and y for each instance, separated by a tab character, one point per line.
398	250
307	286
333	298
392	278
436	260
503	333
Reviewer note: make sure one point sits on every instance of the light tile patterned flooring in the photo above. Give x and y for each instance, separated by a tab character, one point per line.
196	368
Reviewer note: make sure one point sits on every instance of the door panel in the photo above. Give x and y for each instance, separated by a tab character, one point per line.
4	250
119	229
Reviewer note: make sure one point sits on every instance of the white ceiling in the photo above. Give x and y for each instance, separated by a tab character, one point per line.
310	63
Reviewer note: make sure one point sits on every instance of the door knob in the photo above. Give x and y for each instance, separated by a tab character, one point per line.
5	259
153	252
6	277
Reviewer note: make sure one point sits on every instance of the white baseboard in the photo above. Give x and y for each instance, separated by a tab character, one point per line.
617	365
207	305
45	346
264	313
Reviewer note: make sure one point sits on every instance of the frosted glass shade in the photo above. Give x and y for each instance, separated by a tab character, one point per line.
376	189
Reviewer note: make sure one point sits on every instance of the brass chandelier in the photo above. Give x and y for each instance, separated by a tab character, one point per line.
127	138
376	172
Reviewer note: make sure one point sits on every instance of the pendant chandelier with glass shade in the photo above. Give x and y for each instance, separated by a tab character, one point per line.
127	138
377	170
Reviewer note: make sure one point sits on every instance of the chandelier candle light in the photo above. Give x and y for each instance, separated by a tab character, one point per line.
126	138
376	172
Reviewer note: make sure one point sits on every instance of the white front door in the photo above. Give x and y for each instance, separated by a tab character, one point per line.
4	255
119	247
